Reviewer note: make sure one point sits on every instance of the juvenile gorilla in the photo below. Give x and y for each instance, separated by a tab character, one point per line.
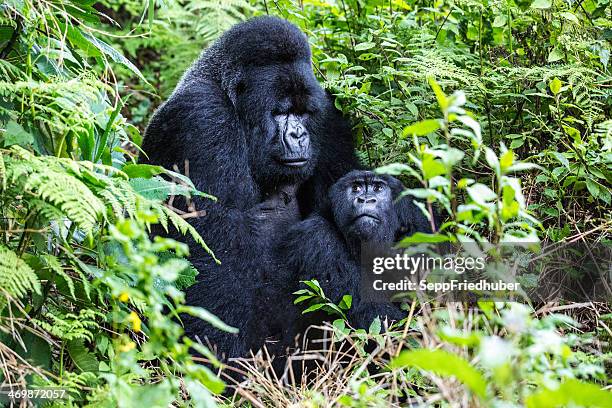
256	130
365	210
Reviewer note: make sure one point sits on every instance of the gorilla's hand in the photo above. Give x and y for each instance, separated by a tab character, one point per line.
278	209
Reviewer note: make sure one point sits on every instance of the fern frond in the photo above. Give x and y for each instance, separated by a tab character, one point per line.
69	326
68	194
185	228
46	180
16	277
53	264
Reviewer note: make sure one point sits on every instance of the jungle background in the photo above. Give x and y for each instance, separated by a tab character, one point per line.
496	112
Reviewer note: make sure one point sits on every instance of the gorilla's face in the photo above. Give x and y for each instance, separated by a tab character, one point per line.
363	207
293	140
278	106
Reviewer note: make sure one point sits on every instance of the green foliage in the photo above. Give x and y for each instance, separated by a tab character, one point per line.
16	277
443	363
532	365
88	299
534	73
314	298
570	392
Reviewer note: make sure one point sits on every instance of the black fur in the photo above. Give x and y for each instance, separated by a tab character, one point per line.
329	251
220	119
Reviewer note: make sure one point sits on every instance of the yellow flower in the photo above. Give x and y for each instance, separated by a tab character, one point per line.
124	348
124	297
135	320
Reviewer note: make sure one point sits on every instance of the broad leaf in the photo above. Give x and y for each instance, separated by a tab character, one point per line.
444	364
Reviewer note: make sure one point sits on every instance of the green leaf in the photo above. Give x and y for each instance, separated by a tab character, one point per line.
432	168
208	317
555	55
313	308
420	237
444	364
15	134
461	338
569	16
158	189
76	38
570	393
364	46
523	166
421	128
38	350
393	169
500	20
145	171
481	193
561	159
492	160
440	96
412	108
302	298
84	359
506	160
555	85
346	302
114	55
314	285
450	156
375	327
199	391
597	190
101	142
541	4
151	13
16	277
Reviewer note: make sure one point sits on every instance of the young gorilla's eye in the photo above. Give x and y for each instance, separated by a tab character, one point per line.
378	187
356	188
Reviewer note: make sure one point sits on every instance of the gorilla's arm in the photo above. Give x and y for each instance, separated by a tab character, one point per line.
196	130
412	219
314	249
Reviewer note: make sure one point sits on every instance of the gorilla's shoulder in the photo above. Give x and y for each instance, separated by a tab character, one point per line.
313	241
313	227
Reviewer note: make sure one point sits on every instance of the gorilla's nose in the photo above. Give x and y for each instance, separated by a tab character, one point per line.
295	137
297	132
366	199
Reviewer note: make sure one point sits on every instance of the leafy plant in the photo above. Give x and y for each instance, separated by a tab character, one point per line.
315	299
88	299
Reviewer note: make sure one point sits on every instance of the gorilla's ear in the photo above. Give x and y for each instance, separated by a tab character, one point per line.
410	216
234	86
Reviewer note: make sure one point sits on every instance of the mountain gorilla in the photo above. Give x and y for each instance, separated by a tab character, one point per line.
365	210
253	127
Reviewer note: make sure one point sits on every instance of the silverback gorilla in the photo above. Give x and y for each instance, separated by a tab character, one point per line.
365	209
258	132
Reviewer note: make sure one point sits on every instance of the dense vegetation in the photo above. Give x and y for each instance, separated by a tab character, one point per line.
458	98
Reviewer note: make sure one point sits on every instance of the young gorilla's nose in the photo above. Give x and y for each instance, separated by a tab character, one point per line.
366	199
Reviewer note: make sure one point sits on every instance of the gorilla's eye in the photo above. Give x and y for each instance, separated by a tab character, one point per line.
356	188
378	187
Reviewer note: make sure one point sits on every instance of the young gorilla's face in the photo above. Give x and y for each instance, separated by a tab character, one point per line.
363	207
